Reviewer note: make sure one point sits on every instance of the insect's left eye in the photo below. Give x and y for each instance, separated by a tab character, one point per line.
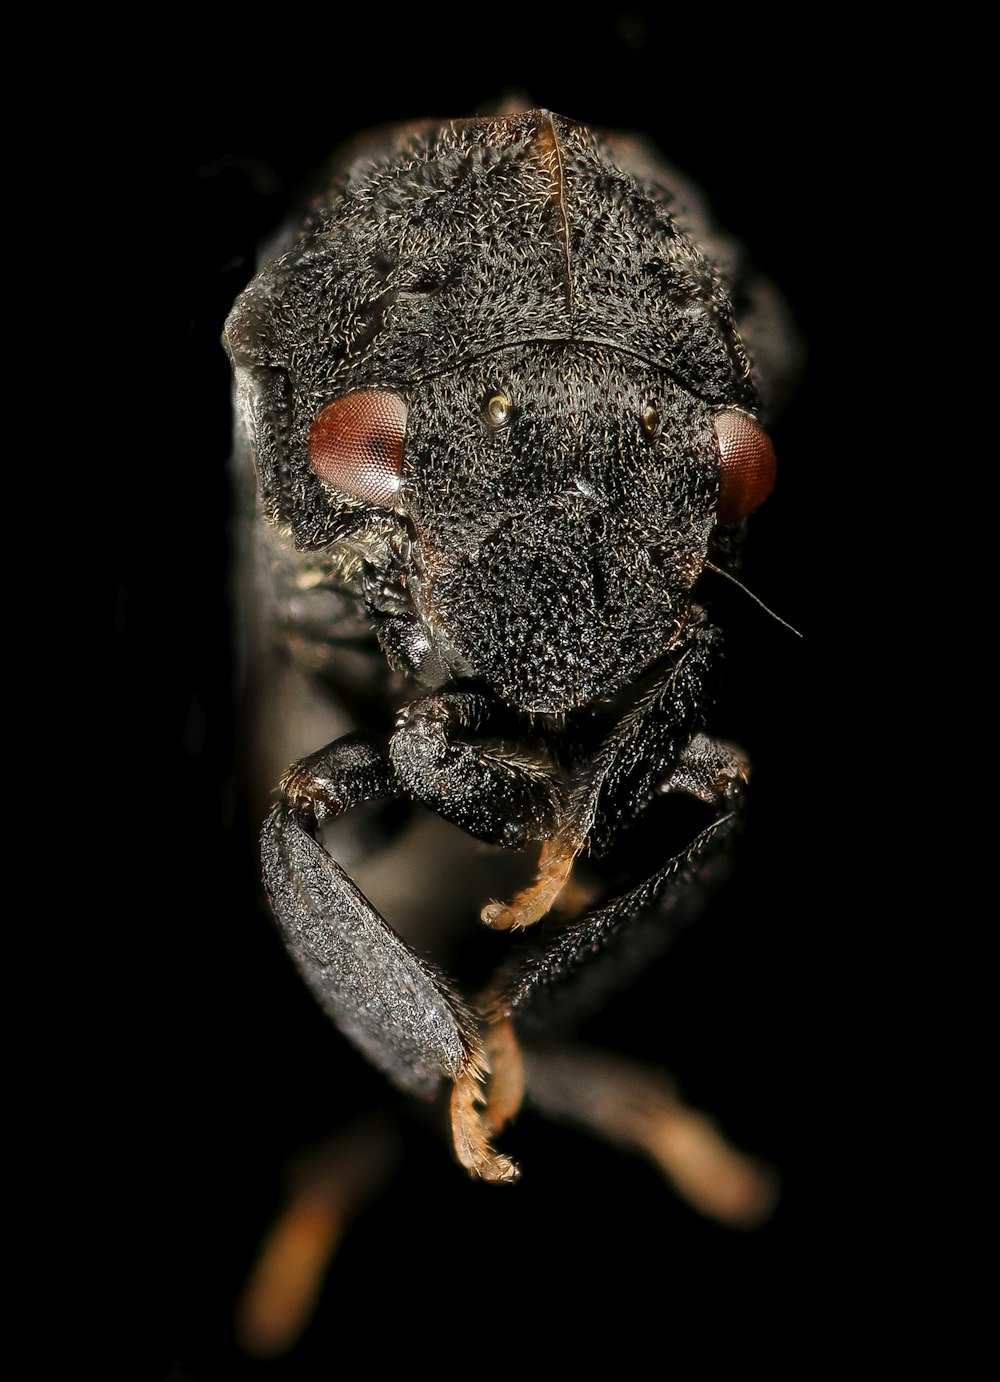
746	459
356	444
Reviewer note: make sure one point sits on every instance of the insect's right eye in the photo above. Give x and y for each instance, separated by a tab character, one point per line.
356	444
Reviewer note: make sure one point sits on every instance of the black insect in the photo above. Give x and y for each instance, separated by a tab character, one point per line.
498	394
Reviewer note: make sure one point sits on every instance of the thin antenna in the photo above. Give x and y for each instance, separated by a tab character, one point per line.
777	617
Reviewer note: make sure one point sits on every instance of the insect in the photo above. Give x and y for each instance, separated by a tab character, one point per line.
503	400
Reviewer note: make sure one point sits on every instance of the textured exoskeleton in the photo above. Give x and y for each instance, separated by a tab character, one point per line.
502	416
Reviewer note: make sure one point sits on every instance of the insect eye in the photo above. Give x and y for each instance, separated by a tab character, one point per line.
498	410
649	418
356	444
746	459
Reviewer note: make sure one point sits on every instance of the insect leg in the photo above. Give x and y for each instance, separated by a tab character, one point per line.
637	1108
390	1002
394	1005
588	961
633	766
495	794
328	1190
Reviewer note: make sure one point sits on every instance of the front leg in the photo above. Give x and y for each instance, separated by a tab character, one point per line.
494	793
391	1003
505	797
654	748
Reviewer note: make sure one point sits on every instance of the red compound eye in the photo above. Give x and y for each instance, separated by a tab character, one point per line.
746	459
356	443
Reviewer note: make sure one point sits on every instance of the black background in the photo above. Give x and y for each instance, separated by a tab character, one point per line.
236	1068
